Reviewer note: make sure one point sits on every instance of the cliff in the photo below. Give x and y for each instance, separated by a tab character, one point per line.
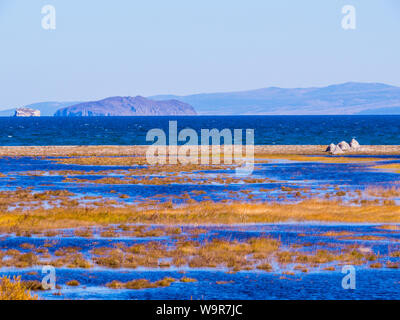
127	106
26	112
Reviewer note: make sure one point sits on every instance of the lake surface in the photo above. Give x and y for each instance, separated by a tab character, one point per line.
218	283
269	130
311	179
280	181
41	175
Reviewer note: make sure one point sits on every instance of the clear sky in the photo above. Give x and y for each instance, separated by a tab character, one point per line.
126	47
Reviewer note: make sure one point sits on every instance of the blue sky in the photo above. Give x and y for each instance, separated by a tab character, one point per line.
124	47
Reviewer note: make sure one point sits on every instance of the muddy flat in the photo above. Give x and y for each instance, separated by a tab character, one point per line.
141	150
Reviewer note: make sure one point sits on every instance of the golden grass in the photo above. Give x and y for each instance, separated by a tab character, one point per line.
364	237
140	161
103	161
392	265
224	282
336	233
41	256
320	256
384	192
137	162
390	227
205	212
329	268
141	284
217	253
376	265
395	254
14	290
32	285
149	180
235	255
254	253
185	279
73	283
265	267
392	166
31	217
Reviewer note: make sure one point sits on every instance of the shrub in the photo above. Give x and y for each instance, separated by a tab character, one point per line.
14	290
73	283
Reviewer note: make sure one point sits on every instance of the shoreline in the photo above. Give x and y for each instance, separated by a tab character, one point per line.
140	150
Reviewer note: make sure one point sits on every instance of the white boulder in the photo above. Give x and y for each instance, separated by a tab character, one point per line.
344	146
337	150
354	144
331	147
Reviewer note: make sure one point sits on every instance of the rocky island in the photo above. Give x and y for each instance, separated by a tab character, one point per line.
26	112
127	106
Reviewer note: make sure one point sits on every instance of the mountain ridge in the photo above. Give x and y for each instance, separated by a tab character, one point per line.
127	106
350	98
346	98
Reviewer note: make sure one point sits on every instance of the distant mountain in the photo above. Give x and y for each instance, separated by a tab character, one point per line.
380	111
127	106
347	98
45	108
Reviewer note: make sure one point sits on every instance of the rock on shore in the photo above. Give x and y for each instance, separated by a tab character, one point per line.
331	147
354	144
343	147
26	112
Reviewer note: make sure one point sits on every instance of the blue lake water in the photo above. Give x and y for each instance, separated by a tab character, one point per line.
217	283
286	130
316	284
319	178
371	284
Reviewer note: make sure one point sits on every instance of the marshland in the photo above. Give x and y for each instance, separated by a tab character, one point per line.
114	227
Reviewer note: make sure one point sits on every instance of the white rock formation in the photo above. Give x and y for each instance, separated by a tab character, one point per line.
354	144
331	147
344	146
26	112
337	150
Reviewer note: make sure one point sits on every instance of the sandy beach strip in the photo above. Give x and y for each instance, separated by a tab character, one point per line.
57	151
